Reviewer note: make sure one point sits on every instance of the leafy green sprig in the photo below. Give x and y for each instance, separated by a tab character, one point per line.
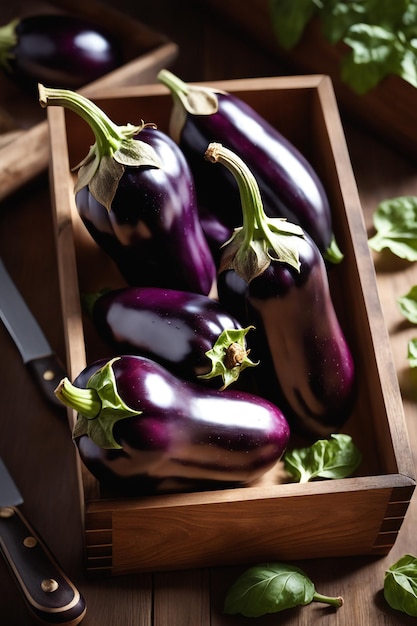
336	457
381	35
400	585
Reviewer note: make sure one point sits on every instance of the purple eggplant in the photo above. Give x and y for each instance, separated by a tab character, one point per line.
289	185
141	430
57	49
282	279
136	196
189	334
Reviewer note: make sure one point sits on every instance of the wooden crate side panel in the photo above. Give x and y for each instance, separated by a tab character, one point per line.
358	276
179	537
242	525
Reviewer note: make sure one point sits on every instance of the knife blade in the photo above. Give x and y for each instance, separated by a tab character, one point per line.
37	354
51	597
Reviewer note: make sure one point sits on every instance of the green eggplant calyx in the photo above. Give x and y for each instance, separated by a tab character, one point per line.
196	99
8	40
333	254
99	406
188	100
229	356
88	300
260	240
115	146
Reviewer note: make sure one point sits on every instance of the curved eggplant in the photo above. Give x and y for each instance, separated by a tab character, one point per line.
189	334
282	287
289	185
141	430
57	49
136	196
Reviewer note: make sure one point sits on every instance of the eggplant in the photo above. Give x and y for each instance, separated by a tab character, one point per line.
189	334
215	232
57	49
142	430
289	185
136	196
282	288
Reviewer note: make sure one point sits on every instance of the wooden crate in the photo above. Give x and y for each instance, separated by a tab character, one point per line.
389	110
145	52
357	515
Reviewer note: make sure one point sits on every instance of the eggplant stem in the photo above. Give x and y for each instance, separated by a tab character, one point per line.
107	134
174	83
85	401
248	188
275	235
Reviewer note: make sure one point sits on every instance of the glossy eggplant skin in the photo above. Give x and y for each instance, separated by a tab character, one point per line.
289	185
174	328
186	438
306	364
60	50
152	231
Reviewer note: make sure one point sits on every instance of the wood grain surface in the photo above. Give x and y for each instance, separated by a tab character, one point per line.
36	445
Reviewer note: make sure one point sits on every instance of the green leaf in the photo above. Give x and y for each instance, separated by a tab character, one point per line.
395	221
400	585
412	352
376	53
268	588
338	17
336	457
229	356
290	18
380	33
408	305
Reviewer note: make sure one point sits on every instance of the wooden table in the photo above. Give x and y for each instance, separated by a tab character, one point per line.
35	442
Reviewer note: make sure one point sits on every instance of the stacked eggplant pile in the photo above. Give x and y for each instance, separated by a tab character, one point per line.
225	338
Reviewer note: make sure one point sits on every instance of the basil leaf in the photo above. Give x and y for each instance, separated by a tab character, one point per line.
412	352
395	221
408	305
376	51
268	588
336	457
338	17
289	19
380	33
400	585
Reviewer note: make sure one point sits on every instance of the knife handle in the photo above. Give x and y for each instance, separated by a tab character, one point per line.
50	596
48	373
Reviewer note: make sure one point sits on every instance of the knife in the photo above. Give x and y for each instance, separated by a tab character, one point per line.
31	342
49	594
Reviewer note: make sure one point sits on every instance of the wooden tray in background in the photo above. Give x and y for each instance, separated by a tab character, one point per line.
360	515
389	110
145	52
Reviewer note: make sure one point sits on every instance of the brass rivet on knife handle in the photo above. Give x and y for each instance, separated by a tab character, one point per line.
49	585
30	542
